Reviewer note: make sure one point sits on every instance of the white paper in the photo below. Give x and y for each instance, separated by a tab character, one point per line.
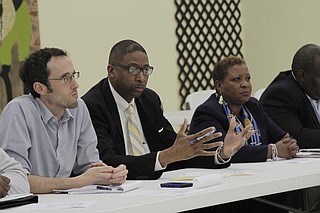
224	173
308	154
99	189
207	180
309	150
55	206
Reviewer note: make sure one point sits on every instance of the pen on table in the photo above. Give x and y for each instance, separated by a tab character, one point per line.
104	188
194	141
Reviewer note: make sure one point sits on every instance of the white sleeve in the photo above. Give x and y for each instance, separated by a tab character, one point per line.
157	166
12	169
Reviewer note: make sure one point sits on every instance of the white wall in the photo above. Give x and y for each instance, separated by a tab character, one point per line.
88	29
272	31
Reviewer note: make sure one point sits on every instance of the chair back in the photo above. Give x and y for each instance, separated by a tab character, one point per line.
193	100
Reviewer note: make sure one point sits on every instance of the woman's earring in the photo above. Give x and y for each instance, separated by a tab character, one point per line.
221	100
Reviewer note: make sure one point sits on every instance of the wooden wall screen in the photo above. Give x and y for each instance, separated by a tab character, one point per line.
207	31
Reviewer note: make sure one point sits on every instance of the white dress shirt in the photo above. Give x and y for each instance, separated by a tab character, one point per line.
122	105
314	103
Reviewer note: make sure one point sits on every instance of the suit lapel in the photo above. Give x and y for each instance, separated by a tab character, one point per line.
112	106
310	112
154	138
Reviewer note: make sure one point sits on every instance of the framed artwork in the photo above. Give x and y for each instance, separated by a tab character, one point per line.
19	36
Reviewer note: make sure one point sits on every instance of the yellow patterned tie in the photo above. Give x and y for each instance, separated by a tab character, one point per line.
134	135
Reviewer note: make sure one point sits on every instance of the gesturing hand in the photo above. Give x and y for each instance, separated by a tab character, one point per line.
233	141
183	150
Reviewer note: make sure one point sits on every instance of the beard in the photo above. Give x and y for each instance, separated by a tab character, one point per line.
73	105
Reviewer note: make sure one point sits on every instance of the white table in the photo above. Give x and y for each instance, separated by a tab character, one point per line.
268	178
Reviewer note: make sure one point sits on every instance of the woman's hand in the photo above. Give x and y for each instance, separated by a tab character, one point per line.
233	140
287	147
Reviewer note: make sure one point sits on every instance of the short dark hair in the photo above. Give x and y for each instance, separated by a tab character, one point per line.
122	48
34	67
305	58
221	68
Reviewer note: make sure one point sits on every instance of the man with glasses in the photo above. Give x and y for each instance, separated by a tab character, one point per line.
129	122
50	132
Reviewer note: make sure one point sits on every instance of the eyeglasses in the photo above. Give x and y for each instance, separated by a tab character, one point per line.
134	70
68	78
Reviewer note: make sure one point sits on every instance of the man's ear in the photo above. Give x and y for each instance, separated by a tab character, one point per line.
301	75
40	88
110	71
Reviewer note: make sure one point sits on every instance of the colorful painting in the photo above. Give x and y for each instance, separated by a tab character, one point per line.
19	35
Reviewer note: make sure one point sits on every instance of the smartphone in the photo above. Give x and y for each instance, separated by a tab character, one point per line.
176	184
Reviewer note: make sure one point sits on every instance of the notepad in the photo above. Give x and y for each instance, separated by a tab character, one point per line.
103	189
207	180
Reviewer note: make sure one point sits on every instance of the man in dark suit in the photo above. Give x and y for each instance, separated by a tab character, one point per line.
292	98
292	101
160	147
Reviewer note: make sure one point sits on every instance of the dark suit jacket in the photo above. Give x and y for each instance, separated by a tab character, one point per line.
288	106
211	113
106	121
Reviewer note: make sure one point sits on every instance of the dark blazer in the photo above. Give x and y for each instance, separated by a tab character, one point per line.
211	113
288	106
106	121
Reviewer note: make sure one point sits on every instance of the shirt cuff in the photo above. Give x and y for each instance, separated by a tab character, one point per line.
157	166
218	159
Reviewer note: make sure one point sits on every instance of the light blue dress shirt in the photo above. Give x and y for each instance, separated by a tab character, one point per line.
44	146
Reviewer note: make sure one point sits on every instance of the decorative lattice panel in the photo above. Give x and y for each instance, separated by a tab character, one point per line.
207	31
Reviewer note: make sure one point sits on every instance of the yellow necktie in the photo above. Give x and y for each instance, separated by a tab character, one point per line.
134	135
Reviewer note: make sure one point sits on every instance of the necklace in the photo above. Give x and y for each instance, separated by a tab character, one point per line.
248	120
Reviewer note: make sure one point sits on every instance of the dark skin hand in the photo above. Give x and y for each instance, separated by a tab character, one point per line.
4	186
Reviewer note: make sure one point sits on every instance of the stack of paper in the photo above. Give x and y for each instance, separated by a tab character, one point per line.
308	153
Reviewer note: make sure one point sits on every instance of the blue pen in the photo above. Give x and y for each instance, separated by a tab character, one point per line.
194	141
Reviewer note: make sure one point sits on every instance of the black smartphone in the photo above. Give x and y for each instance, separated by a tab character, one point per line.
176	184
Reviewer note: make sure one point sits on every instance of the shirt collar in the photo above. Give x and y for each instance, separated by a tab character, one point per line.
293	75
47	115
120	101
312	100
